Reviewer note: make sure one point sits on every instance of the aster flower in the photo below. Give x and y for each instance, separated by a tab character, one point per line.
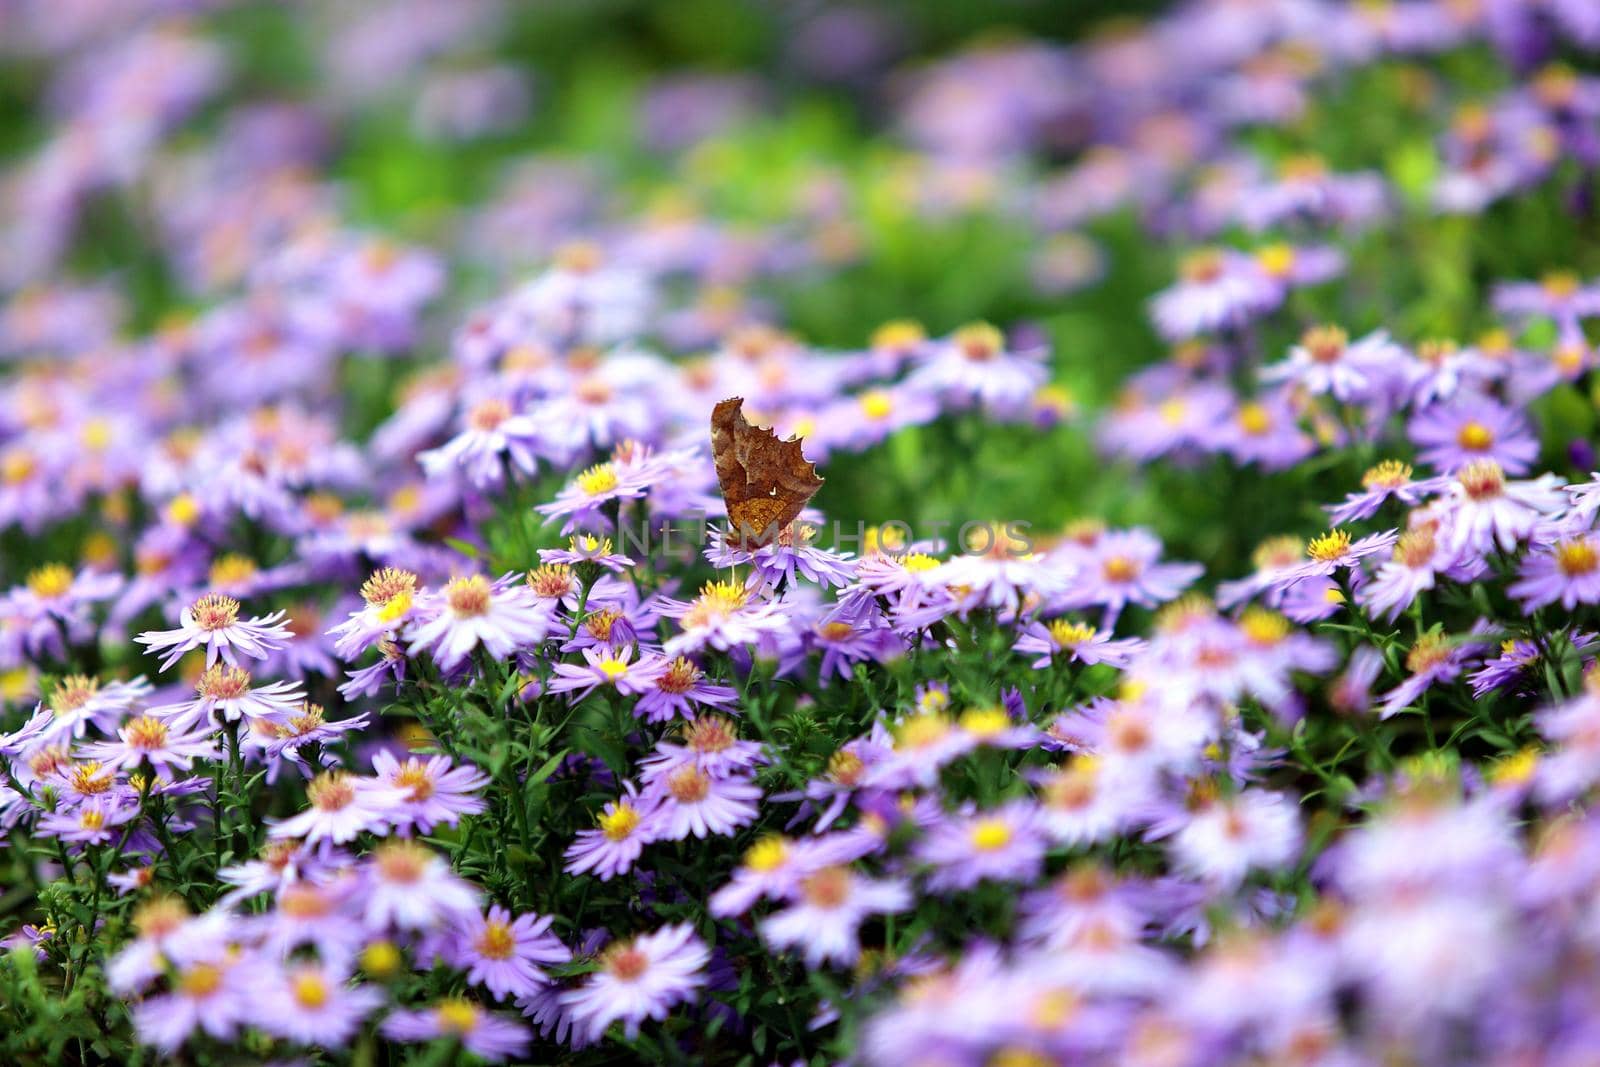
1077	640
1389	480
224	694
410	887
677	690
76	701
723	616
1433	658
824	920
1123	568
389	595
609	667
583	499
1217	289
711	744
342	807
1334	551
1420	555
491	437
314	1004
94	822
504	955
611	848
1327	362
433	791
1485	510
147	740
776	866
1002	844
1568	571
586	548
639	979
692	802
1470	429
213	622
1226	836
973	366
501	617
214	996
483	1034
782	563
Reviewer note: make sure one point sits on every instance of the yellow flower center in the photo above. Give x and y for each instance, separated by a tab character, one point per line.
688	785
989	835
921	731
1120	569
979	342
1276	260
1254	419
1070	634
310	990
1325	344
489	414
1475	437
145	734
1330	547
1482	480
91	819
232	569
331	791
601	478
613	668
50	581
468	597
876	403
495	942
200	981
1577	557
828	888
413	775
985	722
768	854
456	1016
1264	627
1390	474
620	822
214	611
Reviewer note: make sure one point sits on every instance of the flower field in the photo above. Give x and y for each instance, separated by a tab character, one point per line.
739	533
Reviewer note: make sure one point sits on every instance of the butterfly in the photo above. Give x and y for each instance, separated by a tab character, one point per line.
765	482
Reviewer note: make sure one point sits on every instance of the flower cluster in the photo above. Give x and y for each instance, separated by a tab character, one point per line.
377	679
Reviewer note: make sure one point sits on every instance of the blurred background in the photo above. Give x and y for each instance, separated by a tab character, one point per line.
1042	166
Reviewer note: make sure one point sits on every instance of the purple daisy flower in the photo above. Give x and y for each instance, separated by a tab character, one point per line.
213	622
342	807
1434	658
1568	571
504	955
502	617
1003	844
479	1032
638	980
611	848
93	822
606	666
677	691
1078	640
314	1004
158	743
1473	428
692	802
432	791
1389	480
824	920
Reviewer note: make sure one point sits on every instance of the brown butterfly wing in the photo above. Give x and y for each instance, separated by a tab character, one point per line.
765	482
